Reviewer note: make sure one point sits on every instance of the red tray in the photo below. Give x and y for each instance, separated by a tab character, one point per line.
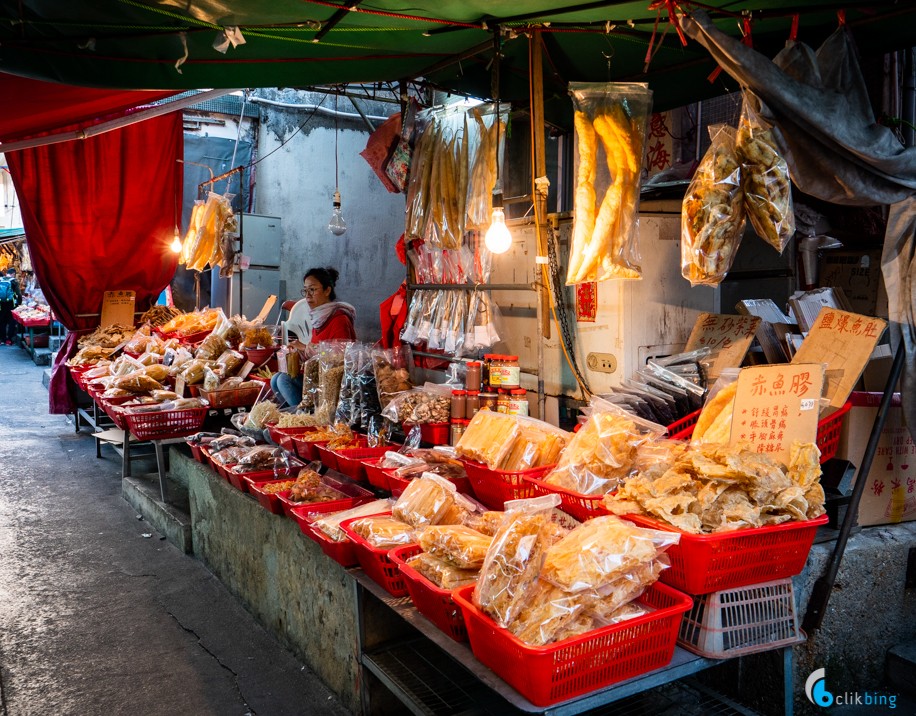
341	552
270	501
375	562
196	452
828	431
243	480
546	675
701	564
353	495
351	460
434	603
582	507
431	433
164	425
495	487
284	436
306	450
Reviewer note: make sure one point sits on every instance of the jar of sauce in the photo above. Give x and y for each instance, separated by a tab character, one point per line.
472	378
459	404
471	404
518	402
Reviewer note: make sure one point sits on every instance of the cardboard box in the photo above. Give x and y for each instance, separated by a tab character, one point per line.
890	495
858	273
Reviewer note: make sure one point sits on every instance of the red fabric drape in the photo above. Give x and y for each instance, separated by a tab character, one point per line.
99	215
34	107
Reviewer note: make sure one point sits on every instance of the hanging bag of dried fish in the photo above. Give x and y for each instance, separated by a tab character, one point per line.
712	216
482	131
613	117
765	177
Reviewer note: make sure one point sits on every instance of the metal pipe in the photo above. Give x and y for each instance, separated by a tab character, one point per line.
472	286
313	108
361	114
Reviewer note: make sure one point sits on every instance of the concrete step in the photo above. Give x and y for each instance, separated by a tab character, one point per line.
172	519
900	667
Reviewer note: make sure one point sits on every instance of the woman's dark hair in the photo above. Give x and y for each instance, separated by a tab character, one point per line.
326	276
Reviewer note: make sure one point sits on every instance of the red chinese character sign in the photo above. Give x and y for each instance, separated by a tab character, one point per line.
586	302
776	405
729	337
844	343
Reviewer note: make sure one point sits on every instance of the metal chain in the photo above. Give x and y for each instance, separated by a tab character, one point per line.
557	287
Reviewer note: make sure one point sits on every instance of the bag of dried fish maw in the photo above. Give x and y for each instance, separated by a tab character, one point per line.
514	558
604	451
765	177
483	154
600	551
712	215
441	573
511	442
458	545
612	117
425	501
384	532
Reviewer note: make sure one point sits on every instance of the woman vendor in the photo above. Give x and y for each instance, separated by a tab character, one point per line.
332	320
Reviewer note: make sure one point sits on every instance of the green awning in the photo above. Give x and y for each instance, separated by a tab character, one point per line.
136	44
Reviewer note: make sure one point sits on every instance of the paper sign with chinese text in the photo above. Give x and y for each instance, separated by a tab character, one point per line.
843	341
586	302
776	405
729	337
117	307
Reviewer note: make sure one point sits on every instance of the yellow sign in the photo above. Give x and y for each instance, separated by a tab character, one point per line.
118	307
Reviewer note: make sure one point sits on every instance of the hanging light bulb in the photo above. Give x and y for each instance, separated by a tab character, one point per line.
175	246
498	239
337	225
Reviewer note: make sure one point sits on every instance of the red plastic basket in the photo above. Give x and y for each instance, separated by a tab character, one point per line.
397	485
270	501
828	431
196	452
341	552
351	461
284	436
432	433
432	602
582	507
377	476
112	408
701	564
375	562
243	480
682	429
327	456
352	495
166	424
494	487
305	449
549	674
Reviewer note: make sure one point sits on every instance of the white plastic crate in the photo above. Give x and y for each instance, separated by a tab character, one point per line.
740	621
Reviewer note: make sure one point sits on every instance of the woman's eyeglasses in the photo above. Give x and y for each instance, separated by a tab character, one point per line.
309	291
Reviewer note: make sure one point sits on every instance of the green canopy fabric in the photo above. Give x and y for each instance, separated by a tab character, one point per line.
139	44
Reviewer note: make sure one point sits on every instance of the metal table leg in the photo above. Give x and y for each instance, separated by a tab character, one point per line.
160	464
788	681
125	456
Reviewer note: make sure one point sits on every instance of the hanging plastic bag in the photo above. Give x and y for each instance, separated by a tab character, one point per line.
482	150
713	216
614	117
391	373
765	178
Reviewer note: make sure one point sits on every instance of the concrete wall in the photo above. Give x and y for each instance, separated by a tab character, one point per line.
301	596
296	183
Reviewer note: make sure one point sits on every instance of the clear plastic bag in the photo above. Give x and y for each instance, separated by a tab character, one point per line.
429	404
614	116
511	442
330	525
330	377
425	501
392	375
441	573
384	532
765	178
600	551
458	545
263	457
482	131
713	214
514	558
604	451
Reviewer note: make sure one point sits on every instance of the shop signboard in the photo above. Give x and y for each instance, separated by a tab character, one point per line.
729	337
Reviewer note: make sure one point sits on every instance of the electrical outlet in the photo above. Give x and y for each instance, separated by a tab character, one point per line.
601	362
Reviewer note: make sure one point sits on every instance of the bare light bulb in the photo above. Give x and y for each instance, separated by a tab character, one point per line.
498	239
337	225
175	246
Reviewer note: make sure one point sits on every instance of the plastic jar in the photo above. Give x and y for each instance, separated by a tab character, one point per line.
488	401
459	403
518	402
502	400
505	372
471	404
472	378
458	427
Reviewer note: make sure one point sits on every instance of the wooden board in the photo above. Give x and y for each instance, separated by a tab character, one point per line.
844	342
118	307
729	337
776	405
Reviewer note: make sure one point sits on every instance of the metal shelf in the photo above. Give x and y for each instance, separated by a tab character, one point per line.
683	664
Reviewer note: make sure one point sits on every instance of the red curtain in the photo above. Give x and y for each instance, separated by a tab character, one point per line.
99	215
